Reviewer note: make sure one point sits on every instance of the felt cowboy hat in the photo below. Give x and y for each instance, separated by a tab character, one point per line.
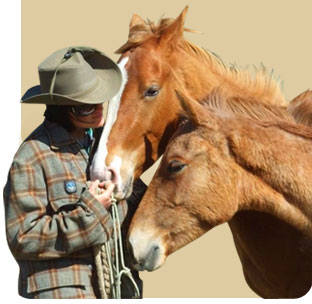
75	76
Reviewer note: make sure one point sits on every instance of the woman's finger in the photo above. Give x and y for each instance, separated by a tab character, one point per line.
93	186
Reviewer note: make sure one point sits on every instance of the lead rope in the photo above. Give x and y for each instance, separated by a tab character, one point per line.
102	270
124	270
110	275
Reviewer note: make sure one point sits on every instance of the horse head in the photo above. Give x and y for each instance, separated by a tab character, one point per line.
144	114
192	191
219	163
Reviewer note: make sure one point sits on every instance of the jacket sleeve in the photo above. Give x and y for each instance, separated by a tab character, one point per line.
39	229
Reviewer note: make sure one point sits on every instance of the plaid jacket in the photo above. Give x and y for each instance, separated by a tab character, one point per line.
52	220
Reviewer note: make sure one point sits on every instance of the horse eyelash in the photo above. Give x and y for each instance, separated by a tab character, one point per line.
156	89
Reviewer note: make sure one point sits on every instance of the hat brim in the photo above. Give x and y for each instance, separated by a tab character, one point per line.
109	82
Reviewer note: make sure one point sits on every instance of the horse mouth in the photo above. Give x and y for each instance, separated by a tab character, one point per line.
124	190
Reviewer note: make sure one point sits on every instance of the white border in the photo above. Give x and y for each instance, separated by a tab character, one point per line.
10	113
10	19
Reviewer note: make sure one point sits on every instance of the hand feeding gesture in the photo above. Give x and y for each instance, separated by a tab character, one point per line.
102	191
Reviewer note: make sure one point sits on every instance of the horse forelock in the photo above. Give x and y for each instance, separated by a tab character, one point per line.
140	33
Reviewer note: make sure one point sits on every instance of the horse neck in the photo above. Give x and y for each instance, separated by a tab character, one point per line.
202	72
259	196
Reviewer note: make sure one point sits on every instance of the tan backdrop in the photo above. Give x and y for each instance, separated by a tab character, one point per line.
275	33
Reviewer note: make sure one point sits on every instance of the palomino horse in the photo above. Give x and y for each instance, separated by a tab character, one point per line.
254	174
155	61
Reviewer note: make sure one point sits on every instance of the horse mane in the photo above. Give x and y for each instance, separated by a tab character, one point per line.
301	108
263	86
259	113
247	107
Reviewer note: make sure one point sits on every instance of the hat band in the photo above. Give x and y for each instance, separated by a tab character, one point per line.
67	55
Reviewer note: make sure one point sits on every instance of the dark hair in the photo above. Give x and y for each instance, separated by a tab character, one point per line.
60	115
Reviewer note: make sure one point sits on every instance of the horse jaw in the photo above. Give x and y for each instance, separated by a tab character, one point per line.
148	250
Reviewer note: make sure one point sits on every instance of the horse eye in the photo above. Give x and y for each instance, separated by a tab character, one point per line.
175	166
152	91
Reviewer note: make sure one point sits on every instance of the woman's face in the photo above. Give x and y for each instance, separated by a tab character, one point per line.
93	120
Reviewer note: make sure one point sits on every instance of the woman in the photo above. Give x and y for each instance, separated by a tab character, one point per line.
53	219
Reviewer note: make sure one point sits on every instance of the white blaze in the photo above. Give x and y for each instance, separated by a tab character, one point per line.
98	164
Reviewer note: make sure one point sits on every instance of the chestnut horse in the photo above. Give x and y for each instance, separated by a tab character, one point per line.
254	174
155	61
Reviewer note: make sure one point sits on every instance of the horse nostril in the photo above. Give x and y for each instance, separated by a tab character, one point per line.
113	176
152	253
155	250
151	260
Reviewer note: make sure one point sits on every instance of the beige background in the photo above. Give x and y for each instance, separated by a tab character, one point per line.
276	33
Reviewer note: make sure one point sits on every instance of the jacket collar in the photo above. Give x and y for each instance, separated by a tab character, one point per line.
58	135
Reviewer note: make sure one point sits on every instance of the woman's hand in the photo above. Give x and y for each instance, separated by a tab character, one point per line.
102	191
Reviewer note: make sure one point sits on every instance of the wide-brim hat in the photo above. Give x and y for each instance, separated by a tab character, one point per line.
74	76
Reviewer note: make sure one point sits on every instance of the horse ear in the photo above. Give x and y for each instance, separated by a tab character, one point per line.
172	33
137	28
194	111
136	20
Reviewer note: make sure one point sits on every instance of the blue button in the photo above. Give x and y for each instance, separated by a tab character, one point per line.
70	187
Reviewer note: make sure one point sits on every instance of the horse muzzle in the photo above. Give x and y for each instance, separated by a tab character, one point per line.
112	173
148	253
